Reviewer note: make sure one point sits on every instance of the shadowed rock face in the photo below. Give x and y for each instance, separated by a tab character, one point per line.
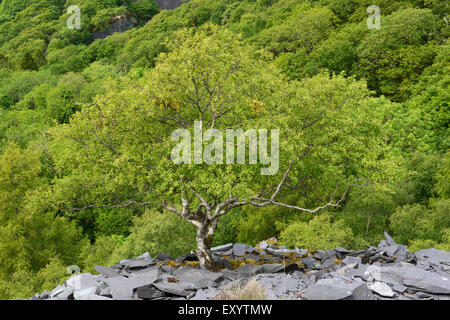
123	23
388	271
168	4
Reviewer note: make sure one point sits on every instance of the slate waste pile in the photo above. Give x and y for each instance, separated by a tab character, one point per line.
386	272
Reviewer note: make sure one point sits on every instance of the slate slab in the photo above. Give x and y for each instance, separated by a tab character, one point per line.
412	276
179	289
122	288
149	292
239	249
107	272
93	296
331	289
248	270
381	288
311	263
434	256
222	248
362	292
200	278
134	264
389	240
81	282
272	267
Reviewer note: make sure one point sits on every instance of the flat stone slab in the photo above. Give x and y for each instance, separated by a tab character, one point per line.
363	292
149	292
331	289
107	272
311	263
412	276
434	256
272	267
247	270
93	296
222	248
179	289
239	249
201	278
122	288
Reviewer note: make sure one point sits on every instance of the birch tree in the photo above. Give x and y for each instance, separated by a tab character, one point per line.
116	152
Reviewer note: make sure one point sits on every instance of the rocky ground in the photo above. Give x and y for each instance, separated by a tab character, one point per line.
388	271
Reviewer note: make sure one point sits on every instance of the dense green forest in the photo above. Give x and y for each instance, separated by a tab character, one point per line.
84	126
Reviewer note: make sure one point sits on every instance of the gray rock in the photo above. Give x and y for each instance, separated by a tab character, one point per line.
331	289
351	260
122	288
311	263
66	294
434	256
81	282
44	295
267	259
320	254
272	267
343	270
229	274
79	294
412	276
247	270
107	272
179	289
57	290
263	245
255	257
389	240
239	249
362	292
222	263
382	244
342	250
330	265
222	248
105	292
149	292
279	252
133	264
145	256
37	296
167	269
381	288
200	278
398	287
301	252
93	296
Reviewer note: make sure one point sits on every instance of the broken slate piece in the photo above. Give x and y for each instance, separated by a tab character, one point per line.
107	272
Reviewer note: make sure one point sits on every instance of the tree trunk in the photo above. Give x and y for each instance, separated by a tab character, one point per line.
204	241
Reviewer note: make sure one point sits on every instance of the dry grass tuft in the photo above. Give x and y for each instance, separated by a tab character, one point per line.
250	291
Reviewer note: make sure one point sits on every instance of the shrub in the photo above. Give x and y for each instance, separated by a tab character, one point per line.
319	233
158	232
